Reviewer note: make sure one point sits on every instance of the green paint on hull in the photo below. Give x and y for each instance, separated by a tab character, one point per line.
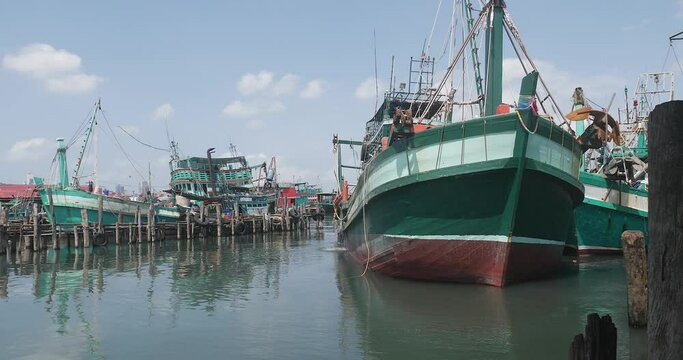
599	226
68	203
466	205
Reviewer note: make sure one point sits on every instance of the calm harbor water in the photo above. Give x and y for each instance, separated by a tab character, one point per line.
287	296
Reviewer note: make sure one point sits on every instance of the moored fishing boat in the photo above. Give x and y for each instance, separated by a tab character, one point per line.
485	200
226	180
63	202
614	173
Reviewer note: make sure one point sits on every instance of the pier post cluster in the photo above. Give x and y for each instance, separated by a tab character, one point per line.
32	232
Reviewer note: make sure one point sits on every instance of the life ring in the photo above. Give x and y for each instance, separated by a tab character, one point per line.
100	239
240	228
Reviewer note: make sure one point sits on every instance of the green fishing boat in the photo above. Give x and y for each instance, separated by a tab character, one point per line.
615	173
488	199
229	181
64	201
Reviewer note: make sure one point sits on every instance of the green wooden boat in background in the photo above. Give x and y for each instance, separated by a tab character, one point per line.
69	198
614	174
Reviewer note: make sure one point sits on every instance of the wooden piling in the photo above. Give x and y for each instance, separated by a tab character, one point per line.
85	225
599	342
4	237
235	214
119	220
665	248
636	273
53	225
138	219
177	230
76	236
265	228
151	236
219	221
130	233
187	225
36	228
100	213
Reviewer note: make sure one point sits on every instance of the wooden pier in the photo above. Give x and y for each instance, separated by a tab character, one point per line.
36	233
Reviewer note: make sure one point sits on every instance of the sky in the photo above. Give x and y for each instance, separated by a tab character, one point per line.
274	78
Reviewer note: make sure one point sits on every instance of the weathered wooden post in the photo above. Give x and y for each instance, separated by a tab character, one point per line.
75	236
150	223
53	225
636	273
3	232
119	220
36	228
177	230
100	213
219	221
235	216
201	212
187	225
599	342
130	233
665	248
138	220
85	225
265	228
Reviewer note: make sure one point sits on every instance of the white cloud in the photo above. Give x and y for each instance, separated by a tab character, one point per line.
29	150
163	112
253	83
42	60
314	89
78	83
58	69
367	90
598	87
287	172
286	85
241	109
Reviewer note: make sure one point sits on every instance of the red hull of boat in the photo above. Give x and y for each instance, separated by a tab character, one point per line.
468	261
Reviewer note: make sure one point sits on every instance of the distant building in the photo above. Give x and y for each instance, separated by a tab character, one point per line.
120	189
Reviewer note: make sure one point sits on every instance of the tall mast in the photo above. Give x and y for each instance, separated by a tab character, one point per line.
88	133
494	59
467	5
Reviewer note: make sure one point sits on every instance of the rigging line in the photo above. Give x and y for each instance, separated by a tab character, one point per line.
374	43
429	43
666	58
515	32
145	144
81	128
678	62
121	146
451	67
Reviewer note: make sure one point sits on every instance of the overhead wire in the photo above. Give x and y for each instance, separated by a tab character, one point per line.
121	146
141	142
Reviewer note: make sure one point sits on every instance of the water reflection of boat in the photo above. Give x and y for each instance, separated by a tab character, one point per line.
403	319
